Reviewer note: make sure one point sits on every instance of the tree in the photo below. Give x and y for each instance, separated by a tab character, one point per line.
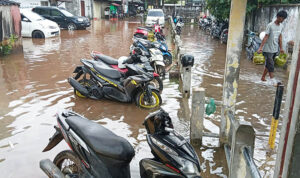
221	8
171	1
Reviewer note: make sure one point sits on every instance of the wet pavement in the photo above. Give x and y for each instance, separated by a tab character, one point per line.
33	87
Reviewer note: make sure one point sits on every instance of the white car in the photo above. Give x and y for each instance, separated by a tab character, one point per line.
153	16
35	26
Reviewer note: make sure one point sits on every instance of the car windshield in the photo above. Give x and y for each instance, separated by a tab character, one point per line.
33	16
66	13
156	13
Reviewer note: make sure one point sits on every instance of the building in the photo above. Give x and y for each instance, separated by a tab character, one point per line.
10	20
76	7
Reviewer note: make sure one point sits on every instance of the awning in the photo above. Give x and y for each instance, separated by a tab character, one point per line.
115	4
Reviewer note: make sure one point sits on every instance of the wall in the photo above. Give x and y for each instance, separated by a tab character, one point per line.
7	23
97	9
258	20
75	7
29	3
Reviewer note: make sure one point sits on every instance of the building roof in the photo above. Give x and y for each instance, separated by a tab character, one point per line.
8	3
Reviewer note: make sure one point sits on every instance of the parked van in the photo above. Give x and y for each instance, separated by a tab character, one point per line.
153	16
35	26
63	18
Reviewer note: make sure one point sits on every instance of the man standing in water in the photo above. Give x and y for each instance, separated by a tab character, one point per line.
271	43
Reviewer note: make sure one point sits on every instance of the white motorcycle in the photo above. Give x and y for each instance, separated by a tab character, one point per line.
154	55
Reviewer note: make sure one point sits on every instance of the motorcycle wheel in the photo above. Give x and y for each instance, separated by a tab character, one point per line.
68	163
157	83
140	102
167	60
161	70
86	83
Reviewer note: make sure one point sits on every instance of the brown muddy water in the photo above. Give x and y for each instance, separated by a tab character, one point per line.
33	87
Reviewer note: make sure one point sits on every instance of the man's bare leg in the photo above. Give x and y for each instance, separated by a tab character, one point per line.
271	74
263	78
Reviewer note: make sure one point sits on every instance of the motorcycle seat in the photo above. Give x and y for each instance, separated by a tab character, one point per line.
107	59
103	141
106	70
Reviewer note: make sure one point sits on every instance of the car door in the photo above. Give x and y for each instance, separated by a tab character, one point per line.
26	23
58	17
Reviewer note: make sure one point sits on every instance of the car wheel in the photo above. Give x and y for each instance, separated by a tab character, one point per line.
38	34
71	26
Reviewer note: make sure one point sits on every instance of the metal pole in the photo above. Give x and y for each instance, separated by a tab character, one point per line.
276	111
284	151
232	66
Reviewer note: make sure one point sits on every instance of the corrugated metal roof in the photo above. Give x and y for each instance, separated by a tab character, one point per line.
8	3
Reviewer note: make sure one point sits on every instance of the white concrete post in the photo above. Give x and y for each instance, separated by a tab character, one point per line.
186	81
290	124
232	65
198	109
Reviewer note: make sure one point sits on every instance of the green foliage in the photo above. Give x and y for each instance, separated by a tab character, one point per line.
221	8
171	1
7	45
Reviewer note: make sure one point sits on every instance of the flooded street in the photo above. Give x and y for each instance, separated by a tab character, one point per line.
33	87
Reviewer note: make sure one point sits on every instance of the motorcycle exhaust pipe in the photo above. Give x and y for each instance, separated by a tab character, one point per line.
77	86
50	169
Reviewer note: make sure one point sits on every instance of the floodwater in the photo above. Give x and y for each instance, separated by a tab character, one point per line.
33	87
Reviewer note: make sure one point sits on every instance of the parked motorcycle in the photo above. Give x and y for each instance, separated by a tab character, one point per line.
101	81
252	45
163	47
151	51
179	24
224	36
206	24
217	28
148	32
98	152
141	63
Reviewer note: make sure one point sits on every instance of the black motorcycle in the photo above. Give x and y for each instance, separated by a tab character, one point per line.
224	36
97	80
252	45
217	28
98	152
141	65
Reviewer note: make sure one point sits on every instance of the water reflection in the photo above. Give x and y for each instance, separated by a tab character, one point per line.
36	49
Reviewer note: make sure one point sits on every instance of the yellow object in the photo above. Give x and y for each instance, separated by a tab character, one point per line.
133	82
281	59
151	36
258	58
272	136
156	98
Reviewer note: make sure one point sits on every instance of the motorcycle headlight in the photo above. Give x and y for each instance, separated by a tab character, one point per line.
163	146
187	167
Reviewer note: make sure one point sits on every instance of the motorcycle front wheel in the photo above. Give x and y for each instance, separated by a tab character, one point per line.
157	83
161	70
167	60
68	163
140	100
